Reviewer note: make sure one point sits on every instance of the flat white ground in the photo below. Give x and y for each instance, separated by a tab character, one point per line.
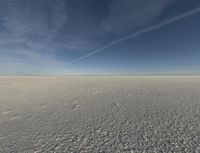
99	114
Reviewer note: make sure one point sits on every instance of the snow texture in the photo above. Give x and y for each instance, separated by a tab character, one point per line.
104	114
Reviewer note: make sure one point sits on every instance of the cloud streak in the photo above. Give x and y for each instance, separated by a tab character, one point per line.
138	33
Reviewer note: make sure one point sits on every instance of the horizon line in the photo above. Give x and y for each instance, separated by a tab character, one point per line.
117	74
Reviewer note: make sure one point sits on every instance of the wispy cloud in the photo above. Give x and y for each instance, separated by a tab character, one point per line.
26	61
28	27
43	34
135	34
126	15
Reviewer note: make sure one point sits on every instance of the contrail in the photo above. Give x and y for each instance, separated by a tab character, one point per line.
138	33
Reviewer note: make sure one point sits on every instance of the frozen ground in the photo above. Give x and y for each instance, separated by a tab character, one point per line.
99	114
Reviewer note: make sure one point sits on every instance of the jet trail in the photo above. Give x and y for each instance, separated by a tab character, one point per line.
138	33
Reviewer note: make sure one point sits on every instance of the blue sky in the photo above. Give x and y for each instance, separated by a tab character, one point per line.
39	37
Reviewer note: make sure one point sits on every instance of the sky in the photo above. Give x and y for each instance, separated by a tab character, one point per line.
69	37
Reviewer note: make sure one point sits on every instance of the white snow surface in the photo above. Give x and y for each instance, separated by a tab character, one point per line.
99	114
